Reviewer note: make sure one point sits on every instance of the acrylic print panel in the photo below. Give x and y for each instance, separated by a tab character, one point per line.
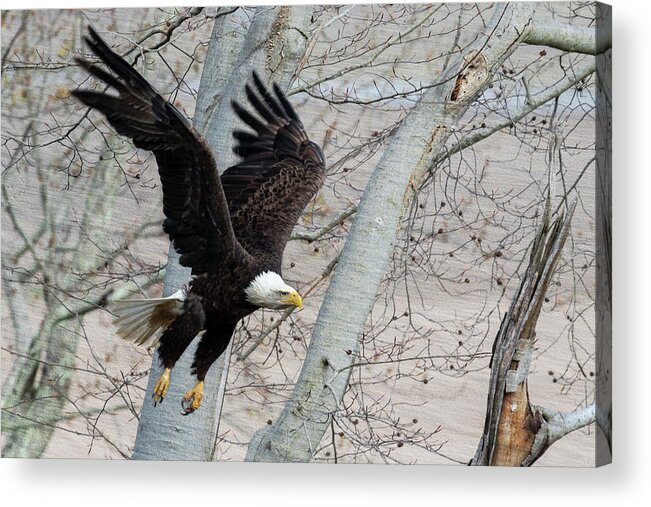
445	290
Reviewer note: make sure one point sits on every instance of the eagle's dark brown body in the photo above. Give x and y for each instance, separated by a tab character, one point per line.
213	308
230	228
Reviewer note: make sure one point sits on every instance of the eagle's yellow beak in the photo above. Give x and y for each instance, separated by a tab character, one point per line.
294	299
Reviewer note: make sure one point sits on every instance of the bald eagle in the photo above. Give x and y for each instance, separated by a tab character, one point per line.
230	230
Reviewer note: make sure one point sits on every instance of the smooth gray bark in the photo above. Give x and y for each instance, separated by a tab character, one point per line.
237	47
555	426
567	37
364	259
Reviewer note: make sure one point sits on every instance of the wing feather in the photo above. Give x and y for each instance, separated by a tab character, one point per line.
280	172
195	206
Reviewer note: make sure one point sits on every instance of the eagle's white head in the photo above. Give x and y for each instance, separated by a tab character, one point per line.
268	290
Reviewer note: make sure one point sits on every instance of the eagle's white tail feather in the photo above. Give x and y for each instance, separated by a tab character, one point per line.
142	321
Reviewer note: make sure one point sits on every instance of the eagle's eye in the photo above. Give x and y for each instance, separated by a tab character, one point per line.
283	293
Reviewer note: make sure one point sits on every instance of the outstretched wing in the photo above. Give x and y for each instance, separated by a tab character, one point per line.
197	217
280	172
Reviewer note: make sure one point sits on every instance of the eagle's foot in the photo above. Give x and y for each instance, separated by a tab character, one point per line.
162	386
192	399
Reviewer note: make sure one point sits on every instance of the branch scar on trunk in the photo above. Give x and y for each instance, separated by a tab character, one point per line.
471	78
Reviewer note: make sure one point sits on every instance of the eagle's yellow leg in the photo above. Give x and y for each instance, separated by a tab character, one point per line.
195	397
162	386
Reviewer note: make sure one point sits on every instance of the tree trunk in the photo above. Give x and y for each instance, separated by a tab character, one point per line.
516	433
364	259
273	45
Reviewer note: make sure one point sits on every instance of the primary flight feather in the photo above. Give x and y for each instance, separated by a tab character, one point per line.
230	230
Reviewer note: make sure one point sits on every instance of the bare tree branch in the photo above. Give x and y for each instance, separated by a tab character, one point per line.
567	37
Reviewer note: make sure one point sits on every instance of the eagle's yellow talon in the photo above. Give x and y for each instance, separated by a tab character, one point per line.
162	386
195	397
